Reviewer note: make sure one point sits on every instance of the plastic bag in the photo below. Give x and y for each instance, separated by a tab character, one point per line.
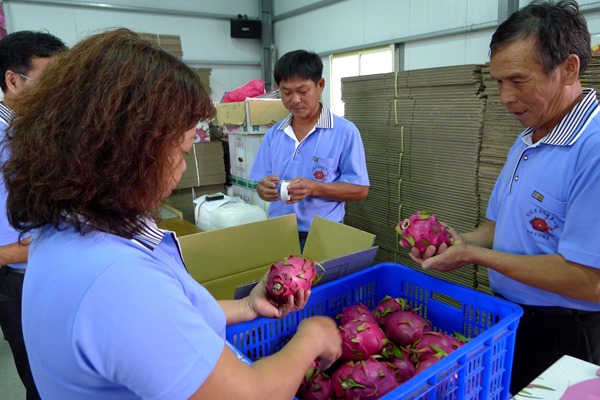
253	88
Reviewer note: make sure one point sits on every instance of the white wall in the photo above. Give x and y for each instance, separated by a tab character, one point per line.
204	39
462	28
352	24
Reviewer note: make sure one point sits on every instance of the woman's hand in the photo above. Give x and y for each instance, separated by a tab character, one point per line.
262	306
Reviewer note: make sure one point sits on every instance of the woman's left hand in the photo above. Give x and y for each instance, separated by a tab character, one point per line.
260	304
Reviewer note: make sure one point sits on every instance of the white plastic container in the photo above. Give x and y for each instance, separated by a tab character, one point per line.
215	212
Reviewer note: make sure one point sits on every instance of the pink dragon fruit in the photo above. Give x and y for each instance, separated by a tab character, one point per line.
316	386
401	359
404	368
361	339
423	365
422	230
435	344
357	312
405	327
364	380
388	305
286	277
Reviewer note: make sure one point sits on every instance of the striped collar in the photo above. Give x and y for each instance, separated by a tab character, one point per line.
150	236
572	125
6	113
325	120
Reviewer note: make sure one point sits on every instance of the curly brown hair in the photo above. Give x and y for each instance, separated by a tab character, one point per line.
94	137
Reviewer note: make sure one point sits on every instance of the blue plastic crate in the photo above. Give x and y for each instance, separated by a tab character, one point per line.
479	370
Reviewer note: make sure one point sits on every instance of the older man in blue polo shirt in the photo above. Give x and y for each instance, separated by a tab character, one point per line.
317	157
541	242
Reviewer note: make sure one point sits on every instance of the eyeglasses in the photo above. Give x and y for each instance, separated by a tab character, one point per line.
26	77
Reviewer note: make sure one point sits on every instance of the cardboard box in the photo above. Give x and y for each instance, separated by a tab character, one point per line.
251	117
205	165
229	261
172	220
243	150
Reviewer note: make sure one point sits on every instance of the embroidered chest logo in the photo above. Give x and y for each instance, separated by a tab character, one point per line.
542	223
320	173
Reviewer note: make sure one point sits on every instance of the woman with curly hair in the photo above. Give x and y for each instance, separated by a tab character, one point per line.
109	310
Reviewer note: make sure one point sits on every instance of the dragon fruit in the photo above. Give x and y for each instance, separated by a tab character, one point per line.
400	358
316	386
422	230
286	277
365	380
357	312
405	327
435	344
388	305
404	368
423	365
361	339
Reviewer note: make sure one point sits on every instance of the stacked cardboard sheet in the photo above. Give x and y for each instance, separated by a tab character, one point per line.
171	43
422	133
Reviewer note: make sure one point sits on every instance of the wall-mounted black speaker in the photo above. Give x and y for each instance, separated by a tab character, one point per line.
246	29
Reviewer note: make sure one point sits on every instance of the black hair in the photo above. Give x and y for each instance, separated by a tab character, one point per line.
558	28
18	48
298	64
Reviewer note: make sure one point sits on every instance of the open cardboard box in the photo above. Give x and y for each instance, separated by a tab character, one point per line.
251	117
228	262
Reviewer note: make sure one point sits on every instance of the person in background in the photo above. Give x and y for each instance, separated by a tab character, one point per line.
319	155
109	309
23	57
541	243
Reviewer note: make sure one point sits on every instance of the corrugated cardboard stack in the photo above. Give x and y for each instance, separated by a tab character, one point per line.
374	103
205	174
422	133
171	43
500	130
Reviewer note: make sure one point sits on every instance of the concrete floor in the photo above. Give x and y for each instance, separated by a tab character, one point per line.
11	387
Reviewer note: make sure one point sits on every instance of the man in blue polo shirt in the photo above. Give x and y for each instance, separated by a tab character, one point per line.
23	56
317	157
541	243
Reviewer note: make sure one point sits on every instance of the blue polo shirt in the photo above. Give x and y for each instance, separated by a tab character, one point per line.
332	152
109	318
545	201
8	234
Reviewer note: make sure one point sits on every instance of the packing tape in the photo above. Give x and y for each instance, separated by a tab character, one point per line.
283	191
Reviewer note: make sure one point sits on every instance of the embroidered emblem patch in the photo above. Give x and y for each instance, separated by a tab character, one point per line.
540	225
320	173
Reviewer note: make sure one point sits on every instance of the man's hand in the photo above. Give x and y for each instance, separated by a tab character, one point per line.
299	189
267	188
444	258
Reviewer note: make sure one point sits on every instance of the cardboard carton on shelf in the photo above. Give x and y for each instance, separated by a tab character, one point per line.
229	261
251	117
